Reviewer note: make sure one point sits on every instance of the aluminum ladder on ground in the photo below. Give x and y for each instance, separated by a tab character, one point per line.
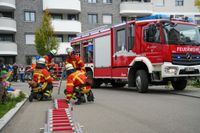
60	119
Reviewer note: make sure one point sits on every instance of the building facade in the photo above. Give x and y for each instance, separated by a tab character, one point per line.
20	18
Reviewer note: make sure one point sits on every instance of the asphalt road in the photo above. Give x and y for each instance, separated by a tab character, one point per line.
120	111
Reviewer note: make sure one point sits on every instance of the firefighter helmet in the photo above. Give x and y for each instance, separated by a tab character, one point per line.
69	50
53	52
41	61
69	67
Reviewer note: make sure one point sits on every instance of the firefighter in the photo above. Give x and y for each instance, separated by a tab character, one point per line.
48	58
77	85
41	83
74	59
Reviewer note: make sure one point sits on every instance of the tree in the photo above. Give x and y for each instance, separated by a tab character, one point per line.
44	36
197	3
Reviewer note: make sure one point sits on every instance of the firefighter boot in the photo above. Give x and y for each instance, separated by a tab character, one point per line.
90	96
80	98
83	98
30	98
47	98
78	102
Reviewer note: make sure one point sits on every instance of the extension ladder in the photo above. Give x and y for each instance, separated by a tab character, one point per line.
59	119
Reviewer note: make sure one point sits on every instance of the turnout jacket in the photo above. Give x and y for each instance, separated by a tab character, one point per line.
76	61
42	77
76	80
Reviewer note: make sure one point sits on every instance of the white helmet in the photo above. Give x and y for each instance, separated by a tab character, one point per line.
41	61
69	50
69	67
53	51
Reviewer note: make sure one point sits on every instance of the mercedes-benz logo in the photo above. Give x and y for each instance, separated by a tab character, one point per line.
189	56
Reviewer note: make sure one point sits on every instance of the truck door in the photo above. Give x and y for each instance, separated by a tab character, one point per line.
122	45
151	43
119	46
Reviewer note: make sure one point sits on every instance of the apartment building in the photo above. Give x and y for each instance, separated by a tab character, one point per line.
20	18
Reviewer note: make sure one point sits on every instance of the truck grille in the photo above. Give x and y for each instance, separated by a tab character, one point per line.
186	59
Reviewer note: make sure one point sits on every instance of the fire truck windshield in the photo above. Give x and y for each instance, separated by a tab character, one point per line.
181	34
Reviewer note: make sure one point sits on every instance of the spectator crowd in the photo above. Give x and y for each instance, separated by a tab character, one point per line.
19	72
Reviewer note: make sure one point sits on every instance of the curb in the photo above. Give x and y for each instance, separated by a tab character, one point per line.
7	117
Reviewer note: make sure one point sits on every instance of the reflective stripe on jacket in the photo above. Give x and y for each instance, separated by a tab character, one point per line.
75	79
77	63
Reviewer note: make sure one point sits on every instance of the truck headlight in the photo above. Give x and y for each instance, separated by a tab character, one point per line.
171	70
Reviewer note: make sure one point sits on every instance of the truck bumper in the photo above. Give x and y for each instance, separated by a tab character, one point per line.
170	70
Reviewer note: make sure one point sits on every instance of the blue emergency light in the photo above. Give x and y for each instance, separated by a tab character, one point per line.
163	16
156	16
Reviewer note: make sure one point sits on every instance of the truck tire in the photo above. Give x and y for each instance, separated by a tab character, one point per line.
95	82
141	81
179	84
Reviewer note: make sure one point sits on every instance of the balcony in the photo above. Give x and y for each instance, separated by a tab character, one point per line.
62	48
66	26
7	25
8	48
7	5
136	9
62	6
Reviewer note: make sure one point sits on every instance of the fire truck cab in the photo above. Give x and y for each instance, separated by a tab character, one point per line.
141	53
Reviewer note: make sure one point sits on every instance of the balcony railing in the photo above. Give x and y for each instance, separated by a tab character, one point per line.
136	8
66	26
7	4
8	48
7	25
60	6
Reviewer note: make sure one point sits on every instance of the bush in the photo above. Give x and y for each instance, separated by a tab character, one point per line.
196	83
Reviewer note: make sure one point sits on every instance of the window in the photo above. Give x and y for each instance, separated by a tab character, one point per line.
7	37
30	59
92	1
30	38
179	16
107	1
107	19
57	16
197	19
120	40
59	38
152	34
92	18
179	2
160	3
124	19
70	37
72	17
29	16
131	35
6	14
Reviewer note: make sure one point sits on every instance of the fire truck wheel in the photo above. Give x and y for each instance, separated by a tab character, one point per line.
179	84
141	81
95	82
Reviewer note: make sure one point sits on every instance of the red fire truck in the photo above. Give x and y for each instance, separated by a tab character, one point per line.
141	53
